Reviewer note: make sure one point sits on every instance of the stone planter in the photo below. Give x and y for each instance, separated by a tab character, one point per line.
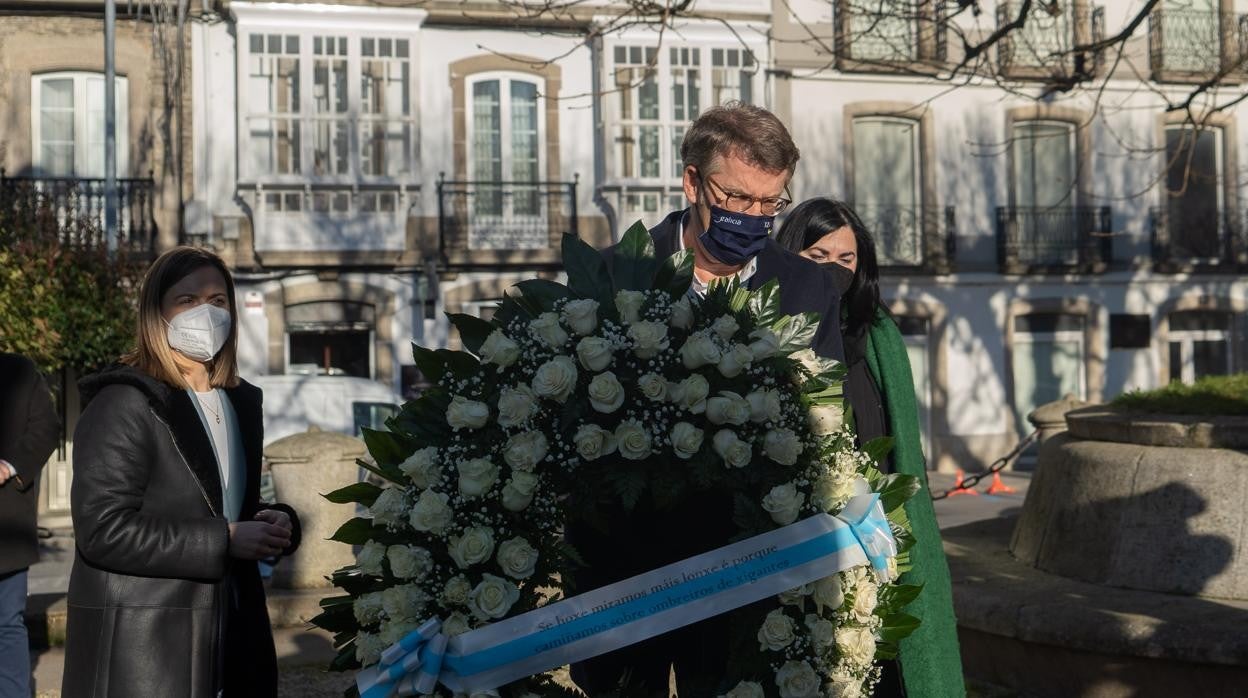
305	466
1127	571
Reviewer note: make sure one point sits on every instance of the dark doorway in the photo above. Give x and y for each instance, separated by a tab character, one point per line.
339	353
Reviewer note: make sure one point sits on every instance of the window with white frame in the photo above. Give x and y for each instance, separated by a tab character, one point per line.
887	194
1048	360
1200	344
67	124
506	138
1194	193
329	106
1045	171
656	93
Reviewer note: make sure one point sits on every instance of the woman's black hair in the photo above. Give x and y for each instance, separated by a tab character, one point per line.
814	218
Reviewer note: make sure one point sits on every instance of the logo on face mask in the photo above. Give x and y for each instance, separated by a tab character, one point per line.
200	332
735	238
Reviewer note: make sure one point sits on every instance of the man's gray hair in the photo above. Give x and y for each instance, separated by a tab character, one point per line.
748	132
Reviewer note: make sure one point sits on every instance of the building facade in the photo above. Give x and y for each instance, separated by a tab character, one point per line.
52	146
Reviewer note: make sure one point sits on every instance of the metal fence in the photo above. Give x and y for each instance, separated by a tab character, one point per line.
1195	236
486	215
911	237
1056	237
77	206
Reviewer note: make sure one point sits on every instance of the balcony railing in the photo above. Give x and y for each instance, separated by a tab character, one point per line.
1205	240
1048	238
911	238
504	216
1193	44
77	206
1042	47
883	33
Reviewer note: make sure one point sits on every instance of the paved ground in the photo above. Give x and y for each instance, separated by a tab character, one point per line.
301	652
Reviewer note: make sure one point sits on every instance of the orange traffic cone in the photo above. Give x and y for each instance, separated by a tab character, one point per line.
998	487
959	488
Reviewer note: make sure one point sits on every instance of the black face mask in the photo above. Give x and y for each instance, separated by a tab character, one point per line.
842	277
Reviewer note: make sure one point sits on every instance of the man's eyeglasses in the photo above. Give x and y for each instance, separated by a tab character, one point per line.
740	203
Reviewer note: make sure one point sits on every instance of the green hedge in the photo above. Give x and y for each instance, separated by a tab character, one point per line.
1212	395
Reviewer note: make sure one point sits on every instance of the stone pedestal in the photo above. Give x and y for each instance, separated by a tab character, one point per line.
306	466
1050	419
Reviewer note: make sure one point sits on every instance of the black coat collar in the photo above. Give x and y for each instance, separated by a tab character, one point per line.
173	406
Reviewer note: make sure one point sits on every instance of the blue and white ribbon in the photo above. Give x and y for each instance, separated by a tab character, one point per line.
636	608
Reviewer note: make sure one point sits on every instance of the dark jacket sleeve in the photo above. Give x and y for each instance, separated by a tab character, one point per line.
115	445
31	428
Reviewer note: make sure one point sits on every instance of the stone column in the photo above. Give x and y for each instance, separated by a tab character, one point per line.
306	466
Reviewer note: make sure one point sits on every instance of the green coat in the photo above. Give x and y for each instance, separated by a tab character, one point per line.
931	665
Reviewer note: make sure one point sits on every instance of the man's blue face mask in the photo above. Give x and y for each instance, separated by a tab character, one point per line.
735	238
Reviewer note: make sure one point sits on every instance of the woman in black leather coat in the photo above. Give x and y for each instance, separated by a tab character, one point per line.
165	597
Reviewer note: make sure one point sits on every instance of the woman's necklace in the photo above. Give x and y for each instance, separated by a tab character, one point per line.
215	413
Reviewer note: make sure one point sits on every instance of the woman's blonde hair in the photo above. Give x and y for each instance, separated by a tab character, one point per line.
152	353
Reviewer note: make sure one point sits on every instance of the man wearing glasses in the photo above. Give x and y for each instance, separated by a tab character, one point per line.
738	162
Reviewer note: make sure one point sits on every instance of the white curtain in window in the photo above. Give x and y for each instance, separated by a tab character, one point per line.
487	145
886	186
1044	161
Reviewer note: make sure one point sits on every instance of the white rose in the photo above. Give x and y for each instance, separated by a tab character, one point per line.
581	316
369	558
456	590
546	329
776	632
831	492
822	631
825	419
735	360
746	689
784	502
516	406
525	451
682	314
403	601
795	597
725	326
855	645
735	452
555	379
593	442
653	387
431	513
843	685
629	304
699	350
499	349
518	492
466	414
473	547
389	507
368	648
686	439
409	561
797	680
728	408
367	608
517	558
690	394
493	597
649	338
782	446
455	624
812	362
827	593
594	353
422	467
632	439
765	345
764	405
476	477
865	598
605	393
392	631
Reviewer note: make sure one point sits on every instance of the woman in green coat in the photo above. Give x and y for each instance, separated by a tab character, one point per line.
880	392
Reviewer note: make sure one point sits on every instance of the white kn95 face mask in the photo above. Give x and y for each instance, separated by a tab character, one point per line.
200	332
